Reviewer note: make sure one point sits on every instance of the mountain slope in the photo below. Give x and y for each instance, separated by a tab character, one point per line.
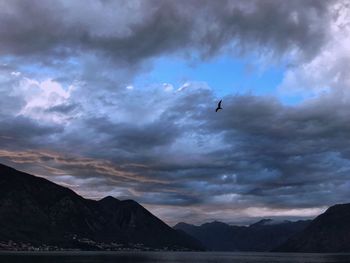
327	233
261	236
37	211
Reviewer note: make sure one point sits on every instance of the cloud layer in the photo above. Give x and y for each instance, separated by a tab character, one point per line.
68	111
134	30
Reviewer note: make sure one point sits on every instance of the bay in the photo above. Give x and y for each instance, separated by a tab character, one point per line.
169	257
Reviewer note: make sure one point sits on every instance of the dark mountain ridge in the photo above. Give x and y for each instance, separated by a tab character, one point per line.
37	211
264	235
327	233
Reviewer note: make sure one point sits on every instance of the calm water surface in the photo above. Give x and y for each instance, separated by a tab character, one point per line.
169	257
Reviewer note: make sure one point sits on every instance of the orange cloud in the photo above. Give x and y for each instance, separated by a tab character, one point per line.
49	160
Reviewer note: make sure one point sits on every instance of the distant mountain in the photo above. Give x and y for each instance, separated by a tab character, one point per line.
36	211
327	233
261	236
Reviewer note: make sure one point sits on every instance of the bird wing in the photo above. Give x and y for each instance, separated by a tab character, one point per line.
219	105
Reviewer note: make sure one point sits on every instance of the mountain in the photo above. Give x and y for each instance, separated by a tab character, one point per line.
36	211
327	233
261	236
215	236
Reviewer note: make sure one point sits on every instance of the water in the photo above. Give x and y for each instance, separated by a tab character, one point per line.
169	257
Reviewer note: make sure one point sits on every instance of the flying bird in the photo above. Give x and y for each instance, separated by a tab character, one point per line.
219	106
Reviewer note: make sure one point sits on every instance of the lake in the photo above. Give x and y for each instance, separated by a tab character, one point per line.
168	257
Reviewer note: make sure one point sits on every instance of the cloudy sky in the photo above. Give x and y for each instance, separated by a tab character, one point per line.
114	97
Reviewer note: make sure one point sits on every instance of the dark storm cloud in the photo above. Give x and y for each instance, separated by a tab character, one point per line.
257	152
169	148
285	156
133	136
133	30
24	132
266	153
64	108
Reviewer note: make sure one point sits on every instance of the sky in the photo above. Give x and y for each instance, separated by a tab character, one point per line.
118	98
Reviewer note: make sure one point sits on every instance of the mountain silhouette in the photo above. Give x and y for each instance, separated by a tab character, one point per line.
37	211
261	236
327	233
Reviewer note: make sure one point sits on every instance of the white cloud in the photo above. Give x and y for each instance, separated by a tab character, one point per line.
184	86
168	87
329	69
15	73
270	212
40	96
